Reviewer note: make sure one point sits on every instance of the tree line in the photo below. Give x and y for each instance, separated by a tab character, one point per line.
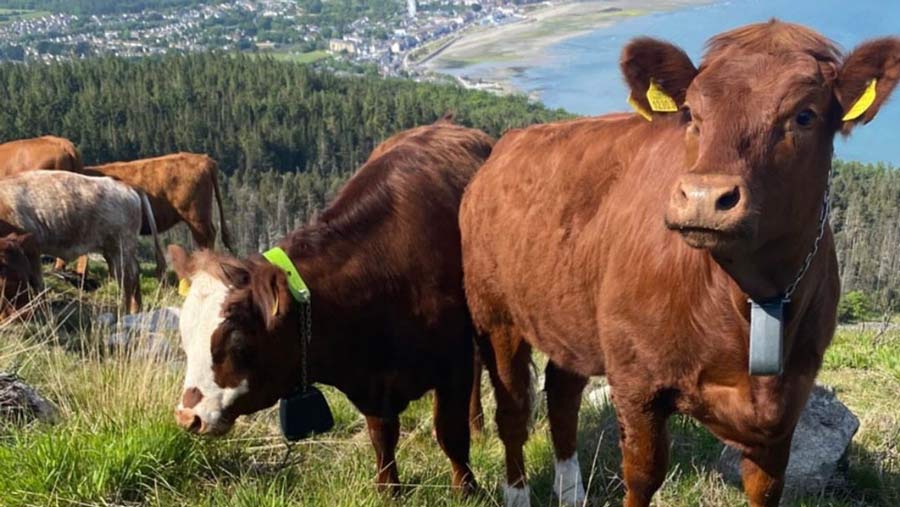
287	136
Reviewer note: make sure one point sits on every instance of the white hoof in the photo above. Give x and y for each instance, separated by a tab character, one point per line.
567	484
517	496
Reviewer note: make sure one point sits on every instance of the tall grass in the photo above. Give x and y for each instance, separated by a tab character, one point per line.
116	442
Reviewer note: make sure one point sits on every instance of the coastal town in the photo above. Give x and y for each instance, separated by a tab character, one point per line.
390	36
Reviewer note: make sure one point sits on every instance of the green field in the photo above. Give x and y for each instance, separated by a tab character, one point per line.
12	15
117	443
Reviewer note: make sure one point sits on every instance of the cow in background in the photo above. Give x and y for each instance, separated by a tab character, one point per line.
68	215
181	188
17	253
47	152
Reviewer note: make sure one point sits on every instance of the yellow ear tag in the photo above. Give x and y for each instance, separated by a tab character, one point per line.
275	306
639	109
863	103
659	101
184	285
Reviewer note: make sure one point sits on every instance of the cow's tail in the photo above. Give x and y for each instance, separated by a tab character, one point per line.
157	246
226	236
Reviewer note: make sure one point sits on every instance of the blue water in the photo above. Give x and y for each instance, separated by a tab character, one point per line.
581	74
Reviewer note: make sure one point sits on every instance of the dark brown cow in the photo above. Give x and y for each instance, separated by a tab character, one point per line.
17	251
46	152
629	248
181	188
389	315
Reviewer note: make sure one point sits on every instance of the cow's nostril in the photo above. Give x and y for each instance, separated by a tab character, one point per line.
728	200
196	424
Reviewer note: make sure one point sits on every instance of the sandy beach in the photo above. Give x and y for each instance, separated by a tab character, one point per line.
508	48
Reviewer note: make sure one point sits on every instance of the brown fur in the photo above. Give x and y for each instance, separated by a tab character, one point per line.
389	317
46	152
181	188
17	254
596	241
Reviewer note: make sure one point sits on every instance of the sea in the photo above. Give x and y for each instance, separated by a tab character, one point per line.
581	74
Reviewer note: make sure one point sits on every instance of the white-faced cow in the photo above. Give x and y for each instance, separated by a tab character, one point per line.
68	215
389	317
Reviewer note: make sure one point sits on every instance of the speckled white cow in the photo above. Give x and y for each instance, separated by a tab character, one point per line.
70	214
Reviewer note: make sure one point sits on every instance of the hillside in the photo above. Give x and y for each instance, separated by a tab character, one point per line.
286	136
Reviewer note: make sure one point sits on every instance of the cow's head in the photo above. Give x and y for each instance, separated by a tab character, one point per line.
15	272
759	118
239	331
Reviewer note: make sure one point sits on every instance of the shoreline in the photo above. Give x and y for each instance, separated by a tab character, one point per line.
493	55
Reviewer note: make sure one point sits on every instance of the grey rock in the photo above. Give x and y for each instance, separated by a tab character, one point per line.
155	321
21	403
818	450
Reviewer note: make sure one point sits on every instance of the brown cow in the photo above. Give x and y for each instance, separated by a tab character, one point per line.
629	248
389	316
46	152
181	188
17	251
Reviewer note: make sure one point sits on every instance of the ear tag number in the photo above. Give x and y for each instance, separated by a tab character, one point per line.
639	109
184	285
767	337
863	103
659	100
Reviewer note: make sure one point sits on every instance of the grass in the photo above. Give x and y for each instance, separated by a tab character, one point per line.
303	58
117	444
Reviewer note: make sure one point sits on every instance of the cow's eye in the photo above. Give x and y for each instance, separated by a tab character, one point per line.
805	118
687	117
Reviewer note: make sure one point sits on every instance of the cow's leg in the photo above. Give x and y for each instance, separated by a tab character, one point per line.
508	357
645	447
384	433
476	411
451	424
81	266
123	266
203	232
563	403
762	471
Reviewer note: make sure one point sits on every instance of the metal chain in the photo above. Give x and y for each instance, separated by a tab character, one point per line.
305	338
823	220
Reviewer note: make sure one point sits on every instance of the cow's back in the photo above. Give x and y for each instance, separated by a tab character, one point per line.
47	152
177	185
69	213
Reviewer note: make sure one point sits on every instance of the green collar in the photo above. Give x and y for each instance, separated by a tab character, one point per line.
279	258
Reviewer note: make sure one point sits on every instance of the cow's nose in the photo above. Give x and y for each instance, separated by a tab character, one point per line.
712	202
189	420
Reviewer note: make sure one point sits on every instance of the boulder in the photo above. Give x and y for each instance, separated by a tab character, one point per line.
21	403
818	450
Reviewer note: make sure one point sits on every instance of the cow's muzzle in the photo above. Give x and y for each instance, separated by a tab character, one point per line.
191	421
710	211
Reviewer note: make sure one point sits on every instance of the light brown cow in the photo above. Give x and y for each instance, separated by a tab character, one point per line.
181	188
70	214
629	248
46	152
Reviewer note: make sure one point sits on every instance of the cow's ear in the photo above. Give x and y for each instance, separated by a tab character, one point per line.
657	74
866	80
182	261
270	295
